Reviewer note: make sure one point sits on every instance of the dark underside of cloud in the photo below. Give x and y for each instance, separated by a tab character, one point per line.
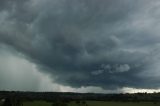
106	43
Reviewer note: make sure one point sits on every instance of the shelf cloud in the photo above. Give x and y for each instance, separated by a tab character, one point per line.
80	43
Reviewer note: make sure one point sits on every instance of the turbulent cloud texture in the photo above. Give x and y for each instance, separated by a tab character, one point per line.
106	43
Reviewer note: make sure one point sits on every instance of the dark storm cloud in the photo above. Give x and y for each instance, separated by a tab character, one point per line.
104	43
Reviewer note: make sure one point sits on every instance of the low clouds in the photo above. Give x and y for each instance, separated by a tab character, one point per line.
106	43
118	68
97	72
122	68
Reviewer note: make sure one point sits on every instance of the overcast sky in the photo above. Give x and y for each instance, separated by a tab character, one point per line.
80	45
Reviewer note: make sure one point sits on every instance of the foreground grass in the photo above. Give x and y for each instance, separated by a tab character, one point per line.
37	103
95	103
101	103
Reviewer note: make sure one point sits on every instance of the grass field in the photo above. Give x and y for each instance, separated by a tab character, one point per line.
95	103
36	103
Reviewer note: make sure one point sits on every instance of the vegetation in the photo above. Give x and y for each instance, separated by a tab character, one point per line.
77	99
93	103
36	103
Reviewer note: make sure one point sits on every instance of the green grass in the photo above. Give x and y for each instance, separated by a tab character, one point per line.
95	103
98	103
37	103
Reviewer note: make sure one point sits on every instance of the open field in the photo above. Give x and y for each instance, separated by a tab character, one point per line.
95	103
37	103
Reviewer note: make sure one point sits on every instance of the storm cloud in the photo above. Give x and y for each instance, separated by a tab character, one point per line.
105	43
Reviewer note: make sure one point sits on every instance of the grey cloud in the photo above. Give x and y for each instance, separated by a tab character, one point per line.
122	68
70	39
117	68
97	72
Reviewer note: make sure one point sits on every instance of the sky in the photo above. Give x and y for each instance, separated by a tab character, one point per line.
101	46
